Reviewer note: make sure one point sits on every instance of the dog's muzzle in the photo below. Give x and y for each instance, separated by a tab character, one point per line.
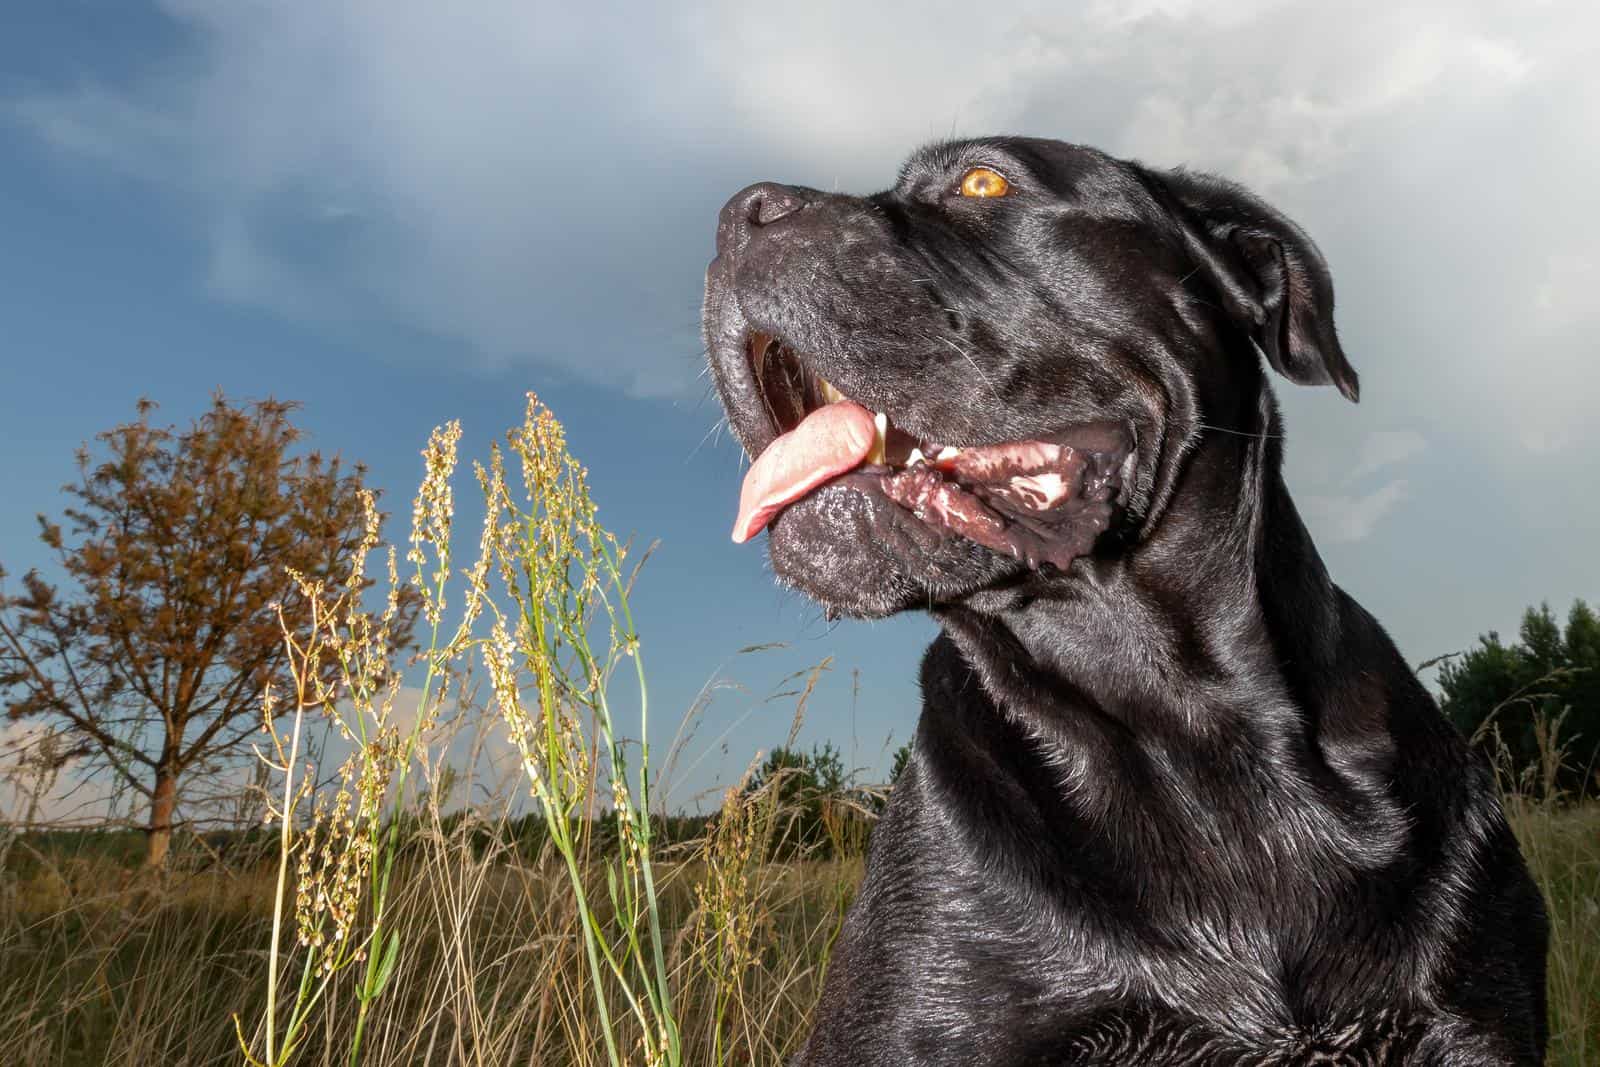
1041	501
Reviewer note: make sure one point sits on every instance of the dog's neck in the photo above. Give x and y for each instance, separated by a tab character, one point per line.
1215	651
1224	589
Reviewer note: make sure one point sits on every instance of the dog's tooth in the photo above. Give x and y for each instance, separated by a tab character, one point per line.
947	452
880	439
915	457
830	394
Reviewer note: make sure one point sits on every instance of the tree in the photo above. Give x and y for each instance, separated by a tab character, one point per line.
902	756
1515	692
801	786
797	775
176	549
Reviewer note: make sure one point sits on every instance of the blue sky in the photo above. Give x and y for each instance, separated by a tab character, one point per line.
400	213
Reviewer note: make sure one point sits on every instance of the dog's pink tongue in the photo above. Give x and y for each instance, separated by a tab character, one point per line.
829	441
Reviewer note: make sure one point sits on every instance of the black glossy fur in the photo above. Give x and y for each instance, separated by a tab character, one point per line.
1184	803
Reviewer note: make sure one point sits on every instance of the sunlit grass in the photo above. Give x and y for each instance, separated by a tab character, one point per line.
101	966
395	914
1560	837
545	613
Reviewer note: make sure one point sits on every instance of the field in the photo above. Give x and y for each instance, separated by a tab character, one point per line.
376	920
103	964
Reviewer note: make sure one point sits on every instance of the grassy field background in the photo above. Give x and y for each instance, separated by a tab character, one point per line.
102	963
378	920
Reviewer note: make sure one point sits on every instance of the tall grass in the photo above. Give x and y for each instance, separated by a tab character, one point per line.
1560	837
101	964
545	610
400	912
562	574
98	970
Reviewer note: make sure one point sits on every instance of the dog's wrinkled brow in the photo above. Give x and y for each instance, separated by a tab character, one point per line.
1070	171
945	157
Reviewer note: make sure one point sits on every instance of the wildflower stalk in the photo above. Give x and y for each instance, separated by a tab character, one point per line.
283	879
432	514
344	666
564	573
561	576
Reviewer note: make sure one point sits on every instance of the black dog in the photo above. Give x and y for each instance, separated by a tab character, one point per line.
1175	798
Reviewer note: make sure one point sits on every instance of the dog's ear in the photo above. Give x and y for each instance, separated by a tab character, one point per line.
1268	273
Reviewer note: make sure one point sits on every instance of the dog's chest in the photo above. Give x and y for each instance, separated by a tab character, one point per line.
1028	1005
1044	960
1169	1041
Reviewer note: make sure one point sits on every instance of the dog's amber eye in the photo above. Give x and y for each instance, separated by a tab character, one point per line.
981	181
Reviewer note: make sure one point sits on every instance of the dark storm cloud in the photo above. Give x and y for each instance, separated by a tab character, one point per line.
534	184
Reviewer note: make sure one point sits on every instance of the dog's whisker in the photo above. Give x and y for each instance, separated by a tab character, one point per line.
1260	435
975	368
713	434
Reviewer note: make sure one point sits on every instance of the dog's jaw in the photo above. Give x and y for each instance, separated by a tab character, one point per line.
947	497
1041	501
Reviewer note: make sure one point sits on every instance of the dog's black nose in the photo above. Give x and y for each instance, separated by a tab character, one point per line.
752	210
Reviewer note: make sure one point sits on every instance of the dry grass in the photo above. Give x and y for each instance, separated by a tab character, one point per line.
1560	838
101	965
104	965
391	927
1563	848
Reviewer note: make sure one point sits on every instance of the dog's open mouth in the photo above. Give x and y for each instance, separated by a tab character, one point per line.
1042	500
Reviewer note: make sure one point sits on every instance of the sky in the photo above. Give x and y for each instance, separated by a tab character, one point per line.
399	213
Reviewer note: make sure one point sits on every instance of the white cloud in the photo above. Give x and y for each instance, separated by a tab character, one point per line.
1338	497
537	184
1382	448
1343	518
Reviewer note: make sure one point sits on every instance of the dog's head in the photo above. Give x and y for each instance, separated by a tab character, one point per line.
983	370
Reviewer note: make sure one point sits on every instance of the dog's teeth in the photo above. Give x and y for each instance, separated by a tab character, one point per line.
880	439
829	393
915	457
947	452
